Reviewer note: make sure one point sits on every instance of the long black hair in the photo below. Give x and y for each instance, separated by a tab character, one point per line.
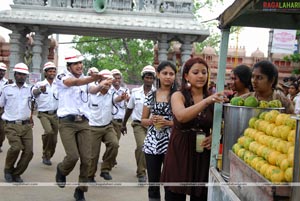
162	66
269	69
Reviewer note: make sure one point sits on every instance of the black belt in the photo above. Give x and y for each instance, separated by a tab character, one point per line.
75	118
118	120
18	122
102	126
137	121
49	112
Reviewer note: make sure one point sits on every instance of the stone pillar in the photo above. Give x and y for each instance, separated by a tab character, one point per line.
15	48
163	47
186	48
37	48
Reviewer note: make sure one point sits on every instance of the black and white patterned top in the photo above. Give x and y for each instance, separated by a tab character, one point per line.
156	141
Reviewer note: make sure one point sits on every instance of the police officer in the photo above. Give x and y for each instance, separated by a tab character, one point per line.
120	107
46	96
74	128
102	130
3	81
135	107
16	100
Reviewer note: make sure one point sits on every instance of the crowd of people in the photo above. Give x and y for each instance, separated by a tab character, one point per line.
88	110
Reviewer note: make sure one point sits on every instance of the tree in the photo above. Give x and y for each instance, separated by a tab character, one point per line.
127	55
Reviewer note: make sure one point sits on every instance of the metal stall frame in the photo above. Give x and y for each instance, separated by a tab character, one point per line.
249	13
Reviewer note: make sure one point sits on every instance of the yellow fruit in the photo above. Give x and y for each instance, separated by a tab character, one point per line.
255	160
256	123
241	153
242	139
263	169
259	164
290	123
247	132
280	158
291	150
281	118
252	121
266	152
275	143
284	131
262	125
277	175
286	147
258	134
259	151
262	115
276	132
271	116
282	146
247	142
253	146
236	147
270	128
288	174
291	159
291	136
269	170
272	157
284	164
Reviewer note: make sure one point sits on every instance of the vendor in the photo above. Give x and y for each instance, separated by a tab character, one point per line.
264	81
240	80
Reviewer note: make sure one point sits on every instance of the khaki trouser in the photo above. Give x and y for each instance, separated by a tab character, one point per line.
49	138
139	135
108	136
2	133
117	126
20	139
76	139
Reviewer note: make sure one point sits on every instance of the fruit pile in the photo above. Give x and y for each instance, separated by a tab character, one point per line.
251	101
268	145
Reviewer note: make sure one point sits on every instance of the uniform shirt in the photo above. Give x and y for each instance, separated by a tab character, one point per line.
120	112
100	107
136	102
3	81
47	101
72	100
16	102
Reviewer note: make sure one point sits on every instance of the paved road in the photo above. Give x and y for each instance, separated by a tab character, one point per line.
41	182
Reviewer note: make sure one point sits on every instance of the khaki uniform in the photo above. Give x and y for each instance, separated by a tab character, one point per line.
18	129
47	105
102	130
74	128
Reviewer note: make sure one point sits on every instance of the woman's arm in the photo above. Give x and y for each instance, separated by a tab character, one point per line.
146	121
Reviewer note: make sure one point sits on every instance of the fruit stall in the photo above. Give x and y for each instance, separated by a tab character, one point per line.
260	158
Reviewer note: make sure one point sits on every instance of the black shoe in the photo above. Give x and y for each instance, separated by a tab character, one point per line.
60	178
106	175
91	180
17	179
142	179
79	195
8	177
47	161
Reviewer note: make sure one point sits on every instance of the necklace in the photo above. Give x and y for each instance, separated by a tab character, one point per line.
262	98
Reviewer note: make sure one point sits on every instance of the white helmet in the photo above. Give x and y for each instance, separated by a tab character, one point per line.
49	65
93	69
73	55
116	71
21	68
148	69
106	73
3	66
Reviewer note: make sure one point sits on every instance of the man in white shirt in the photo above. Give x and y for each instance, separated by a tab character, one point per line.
101	105
120	107
135	107
3	81
74	129
16	99
46	96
